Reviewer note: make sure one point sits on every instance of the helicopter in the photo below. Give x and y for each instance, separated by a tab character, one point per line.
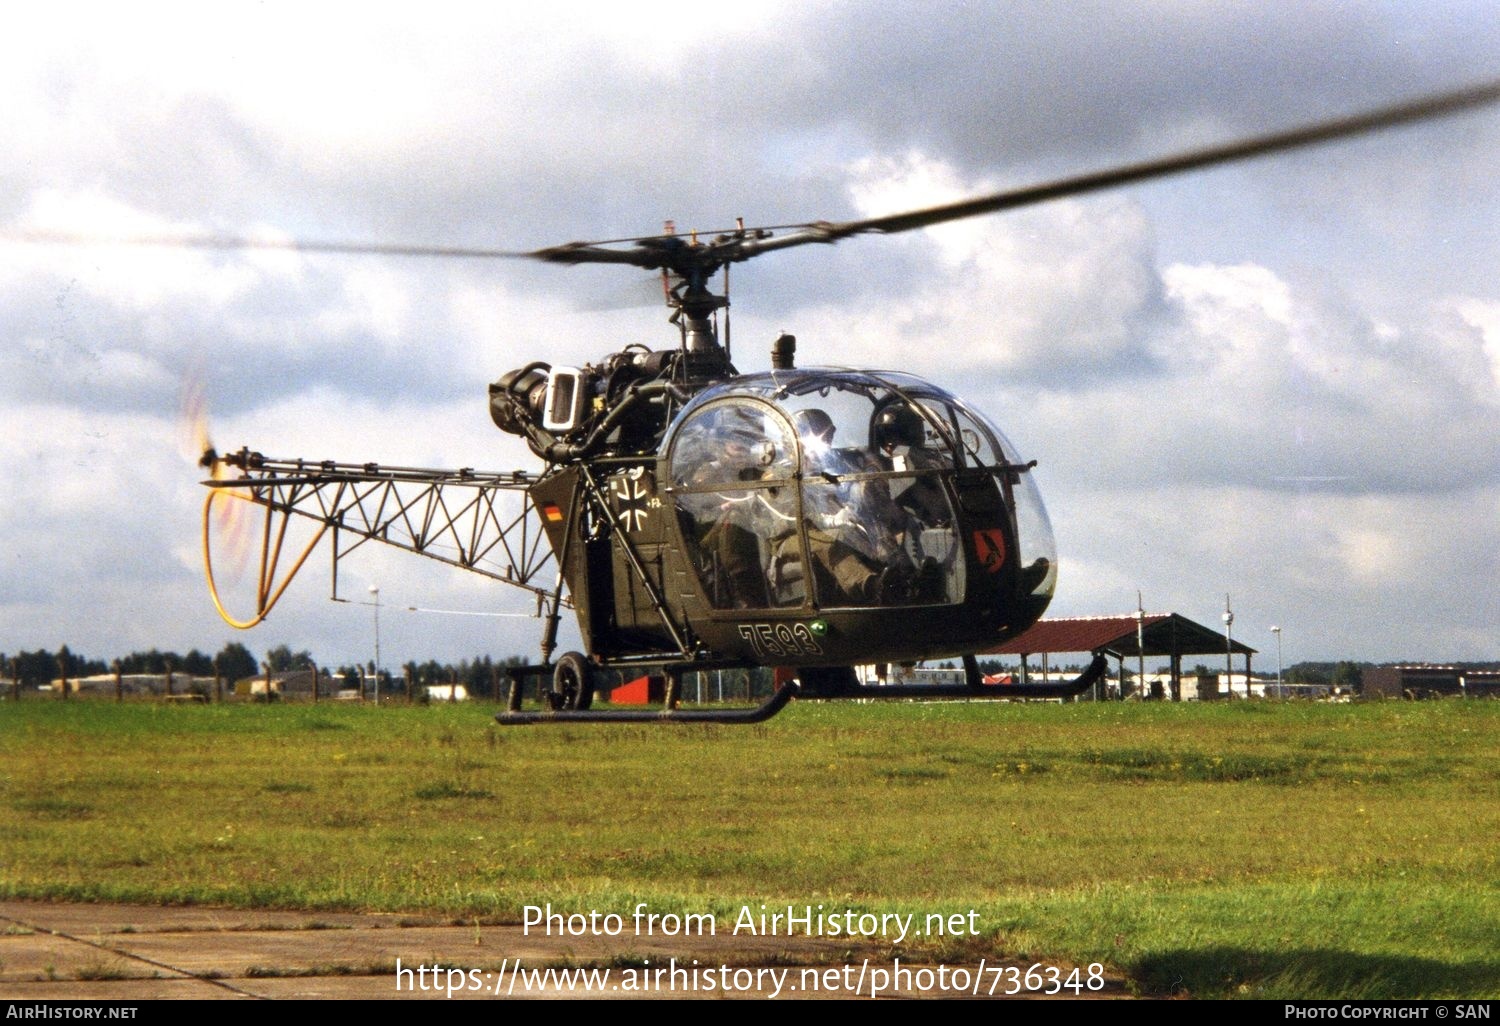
695	517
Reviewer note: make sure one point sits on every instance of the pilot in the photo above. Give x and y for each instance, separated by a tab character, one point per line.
816	430
848	530
898	426
901	436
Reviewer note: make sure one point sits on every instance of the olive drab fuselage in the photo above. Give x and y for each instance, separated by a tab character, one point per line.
807	517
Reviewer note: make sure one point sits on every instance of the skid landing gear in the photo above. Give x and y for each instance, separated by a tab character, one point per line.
822	683
770	707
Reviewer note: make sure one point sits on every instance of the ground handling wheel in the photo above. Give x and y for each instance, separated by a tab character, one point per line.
572	683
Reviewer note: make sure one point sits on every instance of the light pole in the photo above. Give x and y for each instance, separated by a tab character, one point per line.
1140	645
1229	652
1277	631
375	593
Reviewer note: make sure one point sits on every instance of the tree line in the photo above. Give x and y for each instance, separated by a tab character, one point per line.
43	666
235	662
481	675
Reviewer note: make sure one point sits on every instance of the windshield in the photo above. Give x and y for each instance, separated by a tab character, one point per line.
847	474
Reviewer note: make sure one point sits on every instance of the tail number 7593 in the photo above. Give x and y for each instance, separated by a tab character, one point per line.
771	641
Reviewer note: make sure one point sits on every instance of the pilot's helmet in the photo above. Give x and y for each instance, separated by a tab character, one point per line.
899	425
814	424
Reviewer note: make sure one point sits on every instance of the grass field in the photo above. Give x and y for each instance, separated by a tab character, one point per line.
1263	850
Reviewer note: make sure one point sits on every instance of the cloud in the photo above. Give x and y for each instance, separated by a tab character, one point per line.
1391	577
1290	366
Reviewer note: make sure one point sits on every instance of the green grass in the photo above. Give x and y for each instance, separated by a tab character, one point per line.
1258	850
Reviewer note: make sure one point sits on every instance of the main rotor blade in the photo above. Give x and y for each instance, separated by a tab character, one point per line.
241	242
742	245
682	254
1387	117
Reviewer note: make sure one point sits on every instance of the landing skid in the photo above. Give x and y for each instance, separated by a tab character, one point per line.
770	707
823	686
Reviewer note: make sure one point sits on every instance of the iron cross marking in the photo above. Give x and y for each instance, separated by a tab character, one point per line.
632	502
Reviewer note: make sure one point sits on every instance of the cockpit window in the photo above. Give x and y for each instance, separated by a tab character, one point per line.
733	442
733	468
826	488
879	527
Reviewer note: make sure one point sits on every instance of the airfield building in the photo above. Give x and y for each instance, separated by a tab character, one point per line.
1129	638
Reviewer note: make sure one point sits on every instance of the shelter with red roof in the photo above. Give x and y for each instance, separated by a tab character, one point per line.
1126	637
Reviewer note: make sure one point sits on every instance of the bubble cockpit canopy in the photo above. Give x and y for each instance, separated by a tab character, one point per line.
833	488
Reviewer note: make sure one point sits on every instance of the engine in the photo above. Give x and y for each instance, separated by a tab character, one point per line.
620	407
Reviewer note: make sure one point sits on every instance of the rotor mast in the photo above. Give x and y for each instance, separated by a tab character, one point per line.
693	308
689	264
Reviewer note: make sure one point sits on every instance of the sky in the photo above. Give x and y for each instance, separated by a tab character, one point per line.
1277	382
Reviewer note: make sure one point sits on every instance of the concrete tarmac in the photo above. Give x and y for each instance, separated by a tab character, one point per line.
124	953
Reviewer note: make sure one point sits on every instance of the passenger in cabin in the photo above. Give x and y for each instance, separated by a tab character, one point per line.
857	558
735	448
